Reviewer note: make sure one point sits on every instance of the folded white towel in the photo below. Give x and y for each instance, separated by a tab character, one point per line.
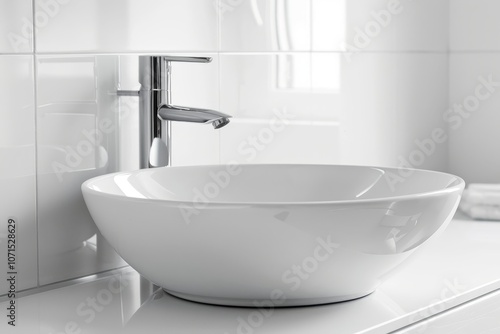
485	212
482	197
481	201
484	186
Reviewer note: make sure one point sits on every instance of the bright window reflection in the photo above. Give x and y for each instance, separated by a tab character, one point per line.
308	25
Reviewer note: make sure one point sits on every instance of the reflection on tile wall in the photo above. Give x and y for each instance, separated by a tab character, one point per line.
306	82
282	105
474	135
17	168
129	26
16	30
392	105
474	53
402	25
77	121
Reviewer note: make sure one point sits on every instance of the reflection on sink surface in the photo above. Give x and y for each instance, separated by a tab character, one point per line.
270	235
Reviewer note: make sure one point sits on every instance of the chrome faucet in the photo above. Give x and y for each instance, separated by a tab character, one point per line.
157	111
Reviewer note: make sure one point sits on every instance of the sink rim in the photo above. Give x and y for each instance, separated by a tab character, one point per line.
455	185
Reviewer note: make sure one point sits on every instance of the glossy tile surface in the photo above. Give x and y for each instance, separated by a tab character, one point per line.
120	307
392	103
473	116
403	25
279	140
77	139
333	25
195	85
131	25
474	25
300	85
17	169
289	102
260	25
16	30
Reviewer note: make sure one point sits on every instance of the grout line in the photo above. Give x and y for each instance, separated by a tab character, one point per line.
10	54
219	90
35	114
33	13
335	51
220	52
219	25
219	73
311	32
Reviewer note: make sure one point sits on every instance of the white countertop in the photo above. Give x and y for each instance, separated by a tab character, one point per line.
458	266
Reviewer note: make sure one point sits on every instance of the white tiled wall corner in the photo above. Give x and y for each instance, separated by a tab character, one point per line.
17	180
474	136
474	25
16	30
128	26
389	103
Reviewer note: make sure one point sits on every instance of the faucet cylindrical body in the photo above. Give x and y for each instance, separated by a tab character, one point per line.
154	77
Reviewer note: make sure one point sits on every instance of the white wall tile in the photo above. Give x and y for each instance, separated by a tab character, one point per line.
77	130
261	25
396	25
390	101
66	80
131	25
474	136
328	24
334	25
278	140
17	170
194	144
474	25
254	86
16	30
196	84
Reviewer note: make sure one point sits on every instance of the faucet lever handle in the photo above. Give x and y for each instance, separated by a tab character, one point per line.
158	153
187	59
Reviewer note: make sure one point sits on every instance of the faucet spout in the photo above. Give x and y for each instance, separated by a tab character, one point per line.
167	112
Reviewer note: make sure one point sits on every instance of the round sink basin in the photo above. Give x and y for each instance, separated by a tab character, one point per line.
270	235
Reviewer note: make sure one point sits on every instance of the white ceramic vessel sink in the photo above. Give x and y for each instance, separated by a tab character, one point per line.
270	235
